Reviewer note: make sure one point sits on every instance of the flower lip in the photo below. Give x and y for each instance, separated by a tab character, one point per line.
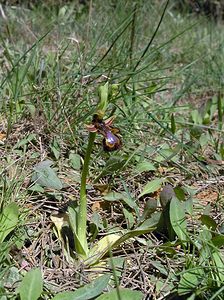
111	138
111	141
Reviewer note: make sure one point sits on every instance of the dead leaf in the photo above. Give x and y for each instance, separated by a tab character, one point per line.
100	205
102	188
2	138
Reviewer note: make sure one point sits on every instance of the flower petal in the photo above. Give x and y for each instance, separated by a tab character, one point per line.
91	128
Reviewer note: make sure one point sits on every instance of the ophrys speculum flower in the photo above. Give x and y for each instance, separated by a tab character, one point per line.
112	140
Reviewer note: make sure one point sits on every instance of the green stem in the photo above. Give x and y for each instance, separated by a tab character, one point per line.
82	216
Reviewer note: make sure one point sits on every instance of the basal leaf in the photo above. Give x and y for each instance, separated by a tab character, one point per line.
75	161
113	196
124	294
179	192
89	291
152	186
45	176
125	197
190	280
101	248
36	188
80	249
178	219
145	166
129	218
31	286
111	241
208	221
149	224
218	240
8	220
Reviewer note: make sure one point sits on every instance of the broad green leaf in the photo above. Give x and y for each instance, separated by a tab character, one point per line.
8	220
159	284
203	243
89	291
178	219
218	240
31	286
131	202
113	196
205	235
45	176
190	280
56	151
196	117
129	218
169	248
207	210
97	220
204	139
195	132
145	166
75	161
124	294
55	148
209	222
152	186
36	188
125	197
168	154
149	224
179	192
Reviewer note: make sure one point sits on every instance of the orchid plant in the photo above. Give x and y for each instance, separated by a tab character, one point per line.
78	215
111	141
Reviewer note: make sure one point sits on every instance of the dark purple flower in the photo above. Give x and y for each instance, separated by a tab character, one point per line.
111	139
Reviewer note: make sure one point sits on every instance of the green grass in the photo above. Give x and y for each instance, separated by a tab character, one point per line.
169	106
